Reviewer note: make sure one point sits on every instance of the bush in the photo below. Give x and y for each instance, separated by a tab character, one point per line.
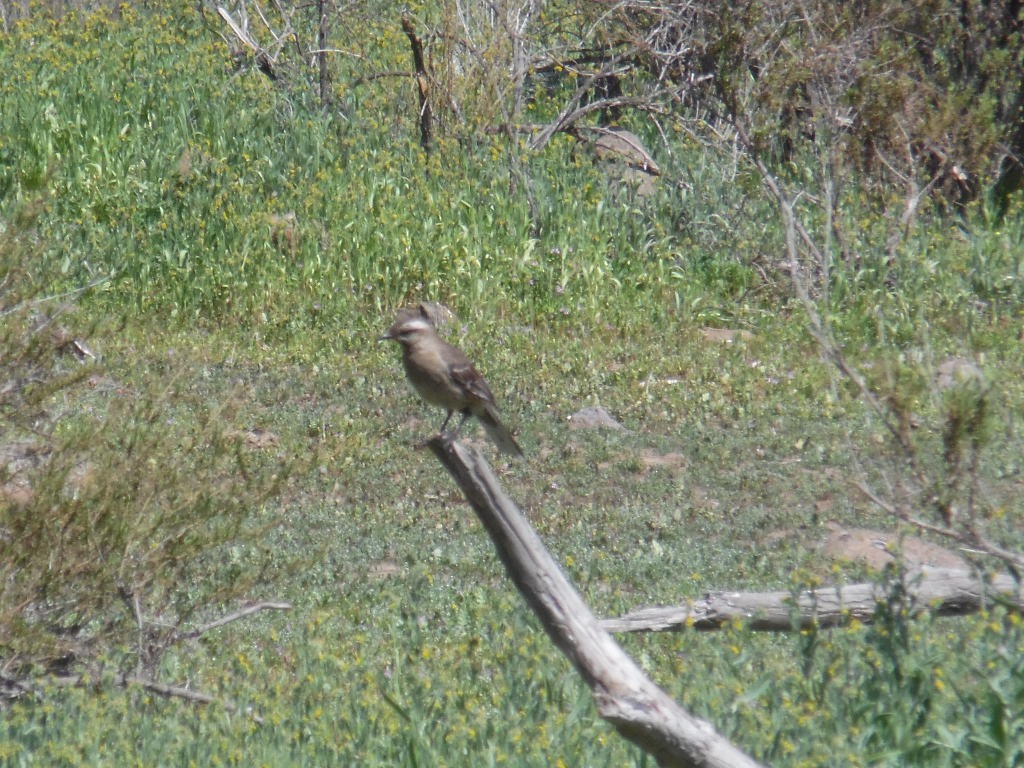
116	505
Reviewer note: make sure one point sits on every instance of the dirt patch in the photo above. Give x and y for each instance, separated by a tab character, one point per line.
877	549
256	438
651	459
384	569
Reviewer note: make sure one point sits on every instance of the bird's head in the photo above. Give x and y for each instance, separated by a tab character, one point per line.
409	326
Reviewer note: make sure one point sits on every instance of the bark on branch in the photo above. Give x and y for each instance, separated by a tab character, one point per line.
426	116
637	708
945	591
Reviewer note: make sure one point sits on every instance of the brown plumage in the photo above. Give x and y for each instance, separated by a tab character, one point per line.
444	376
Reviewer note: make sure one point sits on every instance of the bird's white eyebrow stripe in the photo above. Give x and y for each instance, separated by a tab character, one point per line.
415	324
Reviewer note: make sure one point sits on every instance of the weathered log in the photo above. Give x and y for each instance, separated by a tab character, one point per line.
637	708
943	590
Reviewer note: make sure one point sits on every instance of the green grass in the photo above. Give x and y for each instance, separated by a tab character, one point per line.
406	644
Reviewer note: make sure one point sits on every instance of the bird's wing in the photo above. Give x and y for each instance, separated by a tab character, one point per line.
467	377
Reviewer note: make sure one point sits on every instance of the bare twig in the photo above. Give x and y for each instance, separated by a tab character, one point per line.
242	34
155	686
264	59
968	534
73	293
817	327
570	115
249	610
970	537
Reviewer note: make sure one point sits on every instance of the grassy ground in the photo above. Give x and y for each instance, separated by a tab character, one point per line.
407	645
237	360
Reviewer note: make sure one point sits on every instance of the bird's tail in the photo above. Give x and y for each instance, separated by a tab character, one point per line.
498	432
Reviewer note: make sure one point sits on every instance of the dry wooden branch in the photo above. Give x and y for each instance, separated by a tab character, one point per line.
970	538
74	293
426	116
12	688
637	708
243	36
945	591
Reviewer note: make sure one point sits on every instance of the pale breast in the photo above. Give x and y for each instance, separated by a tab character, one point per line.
428	373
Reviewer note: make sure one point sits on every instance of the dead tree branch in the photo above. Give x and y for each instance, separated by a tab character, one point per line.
11	688
572	114
426	115
945	591
178	692
638	709
796	234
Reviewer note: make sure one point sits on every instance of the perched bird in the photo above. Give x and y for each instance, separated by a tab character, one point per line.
444	376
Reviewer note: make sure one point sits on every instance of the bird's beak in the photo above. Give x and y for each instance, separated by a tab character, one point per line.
387	336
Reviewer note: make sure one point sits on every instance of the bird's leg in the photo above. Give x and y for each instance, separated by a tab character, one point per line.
446	420
465	415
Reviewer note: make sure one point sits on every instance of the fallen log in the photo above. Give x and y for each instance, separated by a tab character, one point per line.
942	590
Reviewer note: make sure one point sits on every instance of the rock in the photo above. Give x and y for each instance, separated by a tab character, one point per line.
957	371
616	144
593	417
726	335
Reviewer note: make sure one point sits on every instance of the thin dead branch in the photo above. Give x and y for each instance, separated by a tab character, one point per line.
11	688
796	234
571	115
266	61
74	293
249	610
128	681
970	538
967	533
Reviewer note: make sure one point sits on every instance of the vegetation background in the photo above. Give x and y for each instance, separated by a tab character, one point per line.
204	226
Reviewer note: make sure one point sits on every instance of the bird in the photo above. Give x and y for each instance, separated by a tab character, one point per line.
444	376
